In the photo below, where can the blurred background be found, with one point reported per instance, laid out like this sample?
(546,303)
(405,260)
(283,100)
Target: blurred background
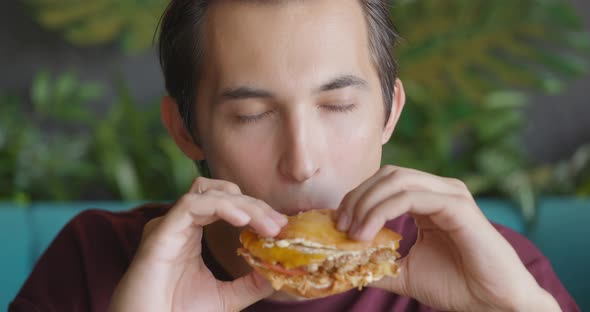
(498,96)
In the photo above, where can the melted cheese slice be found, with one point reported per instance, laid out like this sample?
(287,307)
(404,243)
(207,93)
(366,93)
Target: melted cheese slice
(314,229)
(288,257)
(318,226)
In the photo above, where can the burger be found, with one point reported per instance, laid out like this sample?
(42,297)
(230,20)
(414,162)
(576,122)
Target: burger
(311,258)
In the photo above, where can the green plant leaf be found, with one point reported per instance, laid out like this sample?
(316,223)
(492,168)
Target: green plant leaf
(63,98)
(183,170)
(127,179)
(90,91)
(505,100)
(88,23)
(520,189)
(41,93)
(475,47)
(65,85)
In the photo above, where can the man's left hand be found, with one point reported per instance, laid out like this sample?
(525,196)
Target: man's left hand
(459,261)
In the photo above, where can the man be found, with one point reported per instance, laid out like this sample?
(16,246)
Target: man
(289,102)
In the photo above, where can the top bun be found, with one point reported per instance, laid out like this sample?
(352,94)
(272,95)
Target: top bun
(318,226)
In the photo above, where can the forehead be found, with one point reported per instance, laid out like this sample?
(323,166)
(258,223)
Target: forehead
(295,43)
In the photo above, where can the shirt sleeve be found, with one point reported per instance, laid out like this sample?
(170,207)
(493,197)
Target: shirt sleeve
(540,267)
(83,264)
(57,280)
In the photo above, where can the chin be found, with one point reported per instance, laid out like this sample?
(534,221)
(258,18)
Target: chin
(310,258)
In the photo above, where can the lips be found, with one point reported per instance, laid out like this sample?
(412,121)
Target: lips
(297,210)
(294,207)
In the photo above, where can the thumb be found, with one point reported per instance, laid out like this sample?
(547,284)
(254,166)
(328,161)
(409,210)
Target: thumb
(245,291)
(395,284)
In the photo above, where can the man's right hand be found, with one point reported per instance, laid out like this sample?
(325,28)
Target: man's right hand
(168,273)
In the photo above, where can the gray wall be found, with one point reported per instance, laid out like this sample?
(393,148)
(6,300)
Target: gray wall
(26,48)
(557,124)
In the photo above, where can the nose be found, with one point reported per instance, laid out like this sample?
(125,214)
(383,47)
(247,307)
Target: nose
(298,162)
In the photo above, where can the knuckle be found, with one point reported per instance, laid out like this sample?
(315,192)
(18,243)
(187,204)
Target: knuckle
(465,193)
(184,200)
(251,200)
(358,208)
(362,203)
(457,205)
(378,214)
(395,182)
(389,168)
(201,180)
(346,200)
(382,208)
(405,196)
(464,202)
(395,175)
(261,204)
(397,185)
(232,187)
(225,203)
(457,182)
(257,205)
(151,225)
(198,184)
(212,192)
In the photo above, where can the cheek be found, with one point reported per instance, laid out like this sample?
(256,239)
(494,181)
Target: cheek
(241,155)
(355,148)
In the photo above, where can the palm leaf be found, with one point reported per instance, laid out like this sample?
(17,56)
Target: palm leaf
(85,23)
(475,47)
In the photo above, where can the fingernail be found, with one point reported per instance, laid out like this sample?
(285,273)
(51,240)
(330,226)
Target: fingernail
(343,222)
(244,217)
(280,219)
(273,227)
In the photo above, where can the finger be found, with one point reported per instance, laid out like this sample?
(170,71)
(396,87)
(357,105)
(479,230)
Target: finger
(397,284)
(193,209)
(344,214)
(397,181)
(245,291)
(377,192)
(201,185)
(238,210)
(447,212)
(265,220)
(211,186)
(151,225)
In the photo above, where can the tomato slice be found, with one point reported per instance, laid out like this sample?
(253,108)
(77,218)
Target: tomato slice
(279,268)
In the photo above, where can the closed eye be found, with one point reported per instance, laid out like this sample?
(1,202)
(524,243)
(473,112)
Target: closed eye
(246,119)
(340,108)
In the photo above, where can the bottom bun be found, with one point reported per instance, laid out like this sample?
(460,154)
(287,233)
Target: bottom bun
(315,285)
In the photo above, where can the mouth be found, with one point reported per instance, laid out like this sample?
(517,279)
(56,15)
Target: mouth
(297,210)
(294,206)
(294,210)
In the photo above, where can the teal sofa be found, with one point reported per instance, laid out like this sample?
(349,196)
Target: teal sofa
(561,231)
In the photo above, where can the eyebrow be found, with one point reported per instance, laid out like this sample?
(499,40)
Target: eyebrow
(241,93)
(344,82)
(244,92)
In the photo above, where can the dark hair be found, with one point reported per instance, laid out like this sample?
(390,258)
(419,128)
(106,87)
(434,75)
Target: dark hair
(180,49)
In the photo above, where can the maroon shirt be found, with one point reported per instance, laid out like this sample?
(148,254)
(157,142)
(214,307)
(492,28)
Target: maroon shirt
(81,268)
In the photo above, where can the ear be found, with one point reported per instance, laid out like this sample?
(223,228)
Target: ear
(397,105)
(175,126)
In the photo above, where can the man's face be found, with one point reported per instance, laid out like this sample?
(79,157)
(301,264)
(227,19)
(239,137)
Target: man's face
(290,105)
